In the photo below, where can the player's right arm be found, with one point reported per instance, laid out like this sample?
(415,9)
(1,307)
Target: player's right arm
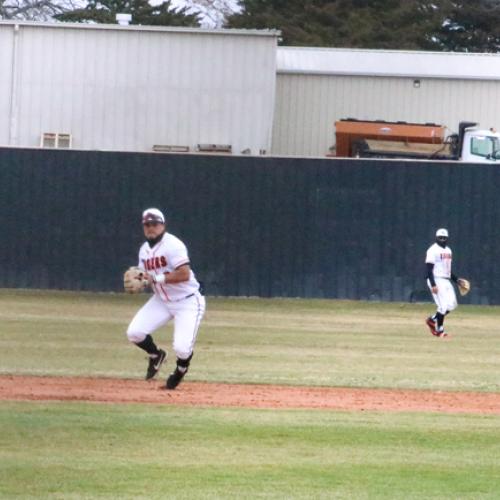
(141,259)
(430,277)
(429,263)
(140,264)
(148,275)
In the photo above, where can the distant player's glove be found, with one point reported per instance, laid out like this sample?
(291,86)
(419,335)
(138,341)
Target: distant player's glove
(463,286)
(134,280)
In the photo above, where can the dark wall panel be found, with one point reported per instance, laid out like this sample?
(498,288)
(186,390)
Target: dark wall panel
(354,229)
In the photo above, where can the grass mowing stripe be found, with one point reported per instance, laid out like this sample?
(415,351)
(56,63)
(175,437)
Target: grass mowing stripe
(289,341)
(63,450)
(91,450)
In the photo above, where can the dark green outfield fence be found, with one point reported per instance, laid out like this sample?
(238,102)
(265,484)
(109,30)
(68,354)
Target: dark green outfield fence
(354,229)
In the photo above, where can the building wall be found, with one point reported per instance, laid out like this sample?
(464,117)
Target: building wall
(307,105)
(129,88)
(6,49)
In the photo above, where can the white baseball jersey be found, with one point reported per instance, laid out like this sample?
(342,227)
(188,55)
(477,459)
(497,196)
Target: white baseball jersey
(441,258)
(166,256)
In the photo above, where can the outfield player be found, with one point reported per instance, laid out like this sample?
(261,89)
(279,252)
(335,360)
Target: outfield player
(438,261)
(176,297)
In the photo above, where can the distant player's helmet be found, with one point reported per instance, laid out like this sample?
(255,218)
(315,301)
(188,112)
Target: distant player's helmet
(442,237)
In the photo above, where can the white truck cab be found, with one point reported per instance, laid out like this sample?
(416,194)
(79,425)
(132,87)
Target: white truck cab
(480,146)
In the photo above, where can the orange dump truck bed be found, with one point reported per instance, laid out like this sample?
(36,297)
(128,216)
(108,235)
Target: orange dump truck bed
(350,130)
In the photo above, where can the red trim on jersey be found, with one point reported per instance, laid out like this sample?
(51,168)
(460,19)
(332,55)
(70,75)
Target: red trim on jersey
(182,263)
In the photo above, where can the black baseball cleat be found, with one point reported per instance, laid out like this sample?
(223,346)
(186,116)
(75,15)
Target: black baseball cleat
(155,364)
(174,379)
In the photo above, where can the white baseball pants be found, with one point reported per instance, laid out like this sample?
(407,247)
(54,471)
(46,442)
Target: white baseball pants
(155,313)
(445,298)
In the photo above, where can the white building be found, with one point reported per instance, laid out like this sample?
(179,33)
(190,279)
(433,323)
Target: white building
(136,88)
(145,88)
(315,87)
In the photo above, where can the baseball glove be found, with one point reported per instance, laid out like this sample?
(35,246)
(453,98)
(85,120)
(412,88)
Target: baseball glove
(463,286)
(134,280)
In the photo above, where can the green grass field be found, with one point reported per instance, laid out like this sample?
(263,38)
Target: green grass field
(85,450)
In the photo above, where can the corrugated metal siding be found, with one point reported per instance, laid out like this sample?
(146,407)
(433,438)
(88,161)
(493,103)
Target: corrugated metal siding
(253,225)
(129,89)
(308,105)
(6,47)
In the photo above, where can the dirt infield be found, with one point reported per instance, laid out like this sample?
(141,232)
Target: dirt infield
(241,395)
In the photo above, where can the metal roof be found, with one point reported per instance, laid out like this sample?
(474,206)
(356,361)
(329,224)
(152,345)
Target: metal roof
(393,63)
(135,27)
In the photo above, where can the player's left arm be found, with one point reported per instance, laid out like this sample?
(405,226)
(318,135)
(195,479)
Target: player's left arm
(178,257)
(178,275)
(454,278)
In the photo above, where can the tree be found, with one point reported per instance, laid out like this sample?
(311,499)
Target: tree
(104,11)
(470,27)
(341,23)
(34,10)
(376,24)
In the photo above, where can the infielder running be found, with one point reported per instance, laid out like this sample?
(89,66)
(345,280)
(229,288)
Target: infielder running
(164,258)
(438,261)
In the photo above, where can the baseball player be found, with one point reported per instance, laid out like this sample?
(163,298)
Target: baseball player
(438,261)
(176,296)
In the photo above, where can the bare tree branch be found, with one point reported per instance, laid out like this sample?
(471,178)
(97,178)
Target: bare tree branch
(213,12)
(35,10)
